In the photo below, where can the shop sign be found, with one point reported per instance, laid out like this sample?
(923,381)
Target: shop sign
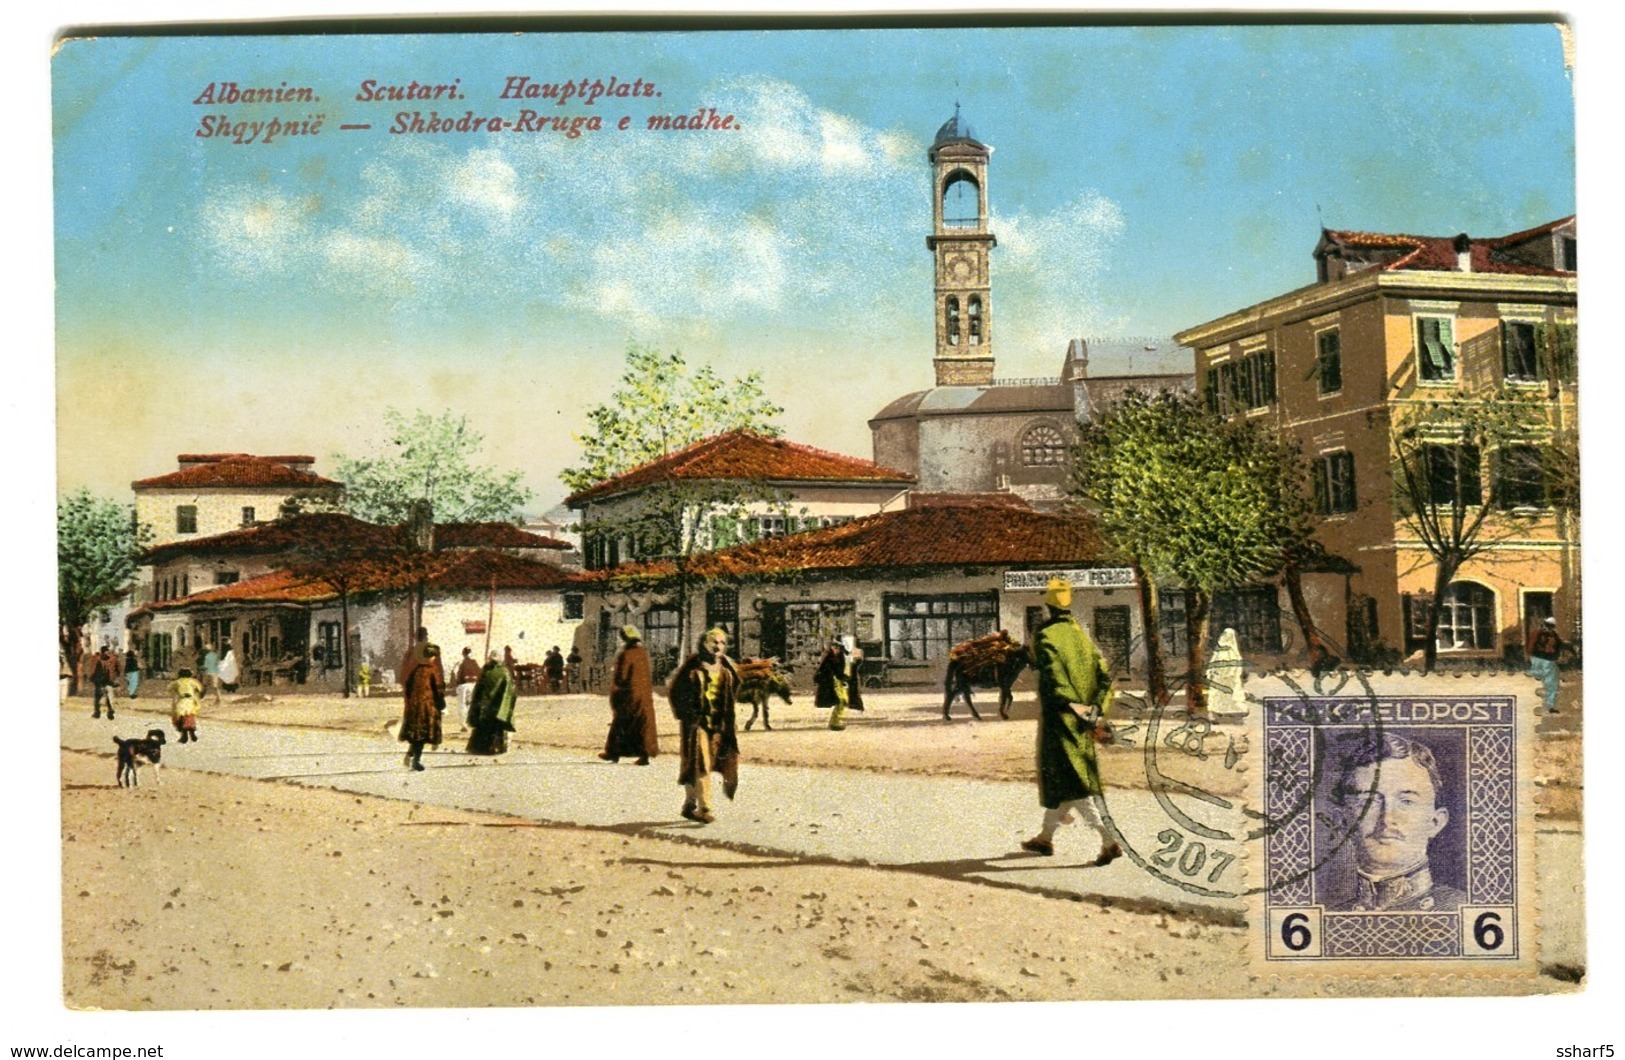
(1035,581)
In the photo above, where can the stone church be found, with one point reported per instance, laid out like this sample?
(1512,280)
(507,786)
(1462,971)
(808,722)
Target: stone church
(974,433)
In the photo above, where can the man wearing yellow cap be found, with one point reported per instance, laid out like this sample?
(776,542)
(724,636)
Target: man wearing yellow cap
(1074,689)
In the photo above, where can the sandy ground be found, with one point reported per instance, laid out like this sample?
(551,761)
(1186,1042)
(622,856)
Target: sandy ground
(220,892)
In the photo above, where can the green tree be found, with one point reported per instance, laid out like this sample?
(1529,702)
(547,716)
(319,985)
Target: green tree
(98,542)
(429,458)
(1461,458)
(1190,500)
(661,405)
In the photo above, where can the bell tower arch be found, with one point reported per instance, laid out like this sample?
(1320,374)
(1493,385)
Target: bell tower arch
(962,247)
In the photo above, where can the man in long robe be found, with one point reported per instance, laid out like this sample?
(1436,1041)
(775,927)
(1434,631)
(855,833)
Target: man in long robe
(1074,689)
(702,697)
(490,711)
(632,732)
(425,699)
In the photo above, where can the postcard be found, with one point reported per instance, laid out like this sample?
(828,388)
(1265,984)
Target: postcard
(560,515)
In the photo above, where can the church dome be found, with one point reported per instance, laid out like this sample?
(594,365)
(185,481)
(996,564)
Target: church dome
(955,129)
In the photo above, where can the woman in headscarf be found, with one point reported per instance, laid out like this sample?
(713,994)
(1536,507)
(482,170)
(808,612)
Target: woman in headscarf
(837,684)
(1224,694)
(490,710)
(425,699)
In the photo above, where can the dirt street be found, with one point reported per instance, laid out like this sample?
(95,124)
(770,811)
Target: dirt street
(220,892)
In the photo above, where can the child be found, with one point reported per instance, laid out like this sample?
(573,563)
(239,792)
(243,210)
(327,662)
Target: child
(186,693)
(363,680)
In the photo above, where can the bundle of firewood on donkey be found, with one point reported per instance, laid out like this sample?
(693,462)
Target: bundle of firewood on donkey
(759,681)
(993,660)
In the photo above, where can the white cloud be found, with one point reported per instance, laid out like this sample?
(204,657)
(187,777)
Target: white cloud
(1052,264)
(253,230)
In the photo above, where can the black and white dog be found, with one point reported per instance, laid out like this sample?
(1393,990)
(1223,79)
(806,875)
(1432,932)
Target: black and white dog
(131,753)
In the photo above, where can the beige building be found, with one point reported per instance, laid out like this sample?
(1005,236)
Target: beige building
(211,493)
(1394,321)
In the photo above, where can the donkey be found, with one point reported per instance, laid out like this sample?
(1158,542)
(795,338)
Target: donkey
(1001,673)
(759,681)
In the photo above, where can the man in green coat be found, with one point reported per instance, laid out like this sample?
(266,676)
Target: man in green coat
(490,712)
(1074,689)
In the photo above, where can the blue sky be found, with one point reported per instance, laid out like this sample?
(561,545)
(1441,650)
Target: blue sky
(276,297)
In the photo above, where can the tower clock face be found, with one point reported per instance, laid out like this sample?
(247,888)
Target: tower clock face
(961,268)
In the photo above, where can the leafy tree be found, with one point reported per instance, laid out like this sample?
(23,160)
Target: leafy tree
(1193,500)
(661,405)
(429,458)
(1460,458)
(97,544)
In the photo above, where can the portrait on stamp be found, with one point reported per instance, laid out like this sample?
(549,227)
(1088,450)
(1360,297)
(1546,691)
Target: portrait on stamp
(1399,832)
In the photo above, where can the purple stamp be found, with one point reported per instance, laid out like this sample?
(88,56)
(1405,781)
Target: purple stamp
(1396,830)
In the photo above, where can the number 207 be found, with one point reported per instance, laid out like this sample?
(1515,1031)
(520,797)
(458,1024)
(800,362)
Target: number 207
(1194,857)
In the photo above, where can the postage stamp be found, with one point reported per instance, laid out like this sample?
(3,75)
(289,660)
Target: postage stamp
(1395,831)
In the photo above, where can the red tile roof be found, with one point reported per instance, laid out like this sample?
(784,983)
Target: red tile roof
(916,499)
(315,531)
(313,583)
(1438,253)
(237,471)
(492,535)
(307,530)
(943,536)
(745,455)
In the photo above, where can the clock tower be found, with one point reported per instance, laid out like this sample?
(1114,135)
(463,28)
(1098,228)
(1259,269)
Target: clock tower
(962,246)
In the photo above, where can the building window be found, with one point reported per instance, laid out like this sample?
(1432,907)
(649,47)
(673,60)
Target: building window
(327,653)
(1453,474)
(1042,446)
(1245,384)
(722,609)
(771,526)
(1520,477)
(225,577)
(1329,361)
(575,607)
(1519,357)
(1253,613)
(974,305)
(1571,254)
(1435,349)
(953,321)
(186,519)
(1466,618)
(923,628)
(1565,346)
(248,516)
(1333,480)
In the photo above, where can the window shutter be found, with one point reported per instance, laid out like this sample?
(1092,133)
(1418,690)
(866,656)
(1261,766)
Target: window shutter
(1567,353)
(1509,358)
(1267,358)
(1322,494)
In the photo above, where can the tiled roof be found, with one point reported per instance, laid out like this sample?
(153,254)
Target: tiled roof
(312,583)
(313,531)
(744,455)
(306,530)
(492,535)
(916,499)
(238,471)
(940,536)
(1438,253)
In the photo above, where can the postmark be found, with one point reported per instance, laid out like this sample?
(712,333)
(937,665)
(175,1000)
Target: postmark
(1207,816)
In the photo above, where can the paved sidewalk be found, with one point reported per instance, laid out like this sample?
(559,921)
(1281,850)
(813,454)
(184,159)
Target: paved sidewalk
(948,827)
